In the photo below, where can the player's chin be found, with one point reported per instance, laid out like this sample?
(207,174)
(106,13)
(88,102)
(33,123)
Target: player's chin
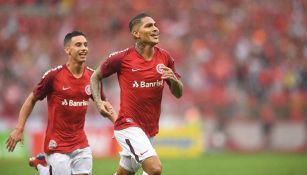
(154,42)
(82,59)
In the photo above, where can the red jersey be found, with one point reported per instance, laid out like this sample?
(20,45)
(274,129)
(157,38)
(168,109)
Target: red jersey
(68,99)
(141,87)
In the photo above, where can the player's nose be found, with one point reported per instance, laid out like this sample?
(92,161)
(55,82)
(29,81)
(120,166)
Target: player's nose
(84,48)
(155,29)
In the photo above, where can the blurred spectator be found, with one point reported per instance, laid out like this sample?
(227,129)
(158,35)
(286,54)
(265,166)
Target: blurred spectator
(238,58)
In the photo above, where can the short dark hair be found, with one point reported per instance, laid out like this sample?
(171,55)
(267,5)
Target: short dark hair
(72,34)
(136,20)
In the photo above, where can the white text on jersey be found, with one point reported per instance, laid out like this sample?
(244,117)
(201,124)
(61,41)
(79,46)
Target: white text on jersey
(143,84)
(66,102)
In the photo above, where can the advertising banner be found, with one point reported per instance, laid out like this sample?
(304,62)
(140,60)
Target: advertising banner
(183,142)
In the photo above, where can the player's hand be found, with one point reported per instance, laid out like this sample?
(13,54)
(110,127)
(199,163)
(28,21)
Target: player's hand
(15,137)
(168,74)
(107,110)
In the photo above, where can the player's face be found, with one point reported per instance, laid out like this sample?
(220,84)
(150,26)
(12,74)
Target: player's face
(78,49)
(148,32)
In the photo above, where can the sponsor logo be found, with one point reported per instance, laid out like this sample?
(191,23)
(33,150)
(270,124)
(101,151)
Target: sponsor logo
(65,88)
(159,68)
(144,84)
(88,89)
(135,84)
(66,102)
(144,152)
(52,144)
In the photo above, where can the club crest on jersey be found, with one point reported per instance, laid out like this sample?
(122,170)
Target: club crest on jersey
(159,68)
(52,144)
(88,89)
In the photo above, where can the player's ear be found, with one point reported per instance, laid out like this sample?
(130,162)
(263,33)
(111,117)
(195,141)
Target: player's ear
(67,50)
(135,34)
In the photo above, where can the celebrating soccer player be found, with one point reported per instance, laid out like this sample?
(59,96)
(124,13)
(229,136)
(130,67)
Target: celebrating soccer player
(142,71)
(67,88)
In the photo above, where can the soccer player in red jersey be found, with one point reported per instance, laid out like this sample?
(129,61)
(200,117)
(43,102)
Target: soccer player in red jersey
(142,72)
(67,88)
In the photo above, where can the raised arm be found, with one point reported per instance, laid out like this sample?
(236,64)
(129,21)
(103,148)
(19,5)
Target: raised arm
(17,134)
(104,107)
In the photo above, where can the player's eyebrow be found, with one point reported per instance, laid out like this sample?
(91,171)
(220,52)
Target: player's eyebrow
(80,43)
(150,24)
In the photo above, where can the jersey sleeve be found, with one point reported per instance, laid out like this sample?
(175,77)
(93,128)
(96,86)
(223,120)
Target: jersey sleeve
(171,64)
(111,65)
(44,87)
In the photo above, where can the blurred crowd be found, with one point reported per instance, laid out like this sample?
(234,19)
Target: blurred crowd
(237,58)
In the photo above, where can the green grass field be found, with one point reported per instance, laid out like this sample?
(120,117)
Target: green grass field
(209,164)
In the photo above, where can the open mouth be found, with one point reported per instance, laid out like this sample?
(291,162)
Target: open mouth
(83,54)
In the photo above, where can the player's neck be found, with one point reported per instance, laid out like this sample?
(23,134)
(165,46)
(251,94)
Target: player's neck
(147,51)
(76,69)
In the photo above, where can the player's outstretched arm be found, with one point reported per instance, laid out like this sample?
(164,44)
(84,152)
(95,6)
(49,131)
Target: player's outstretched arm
(17,134)
(176,85)
(104,107)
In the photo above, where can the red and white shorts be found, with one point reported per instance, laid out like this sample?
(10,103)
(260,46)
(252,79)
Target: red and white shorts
(136,147)
(77,162)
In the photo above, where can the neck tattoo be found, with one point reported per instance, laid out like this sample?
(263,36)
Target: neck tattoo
(139,48)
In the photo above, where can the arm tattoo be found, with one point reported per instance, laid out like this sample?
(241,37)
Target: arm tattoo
(96,88)
(176,88)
